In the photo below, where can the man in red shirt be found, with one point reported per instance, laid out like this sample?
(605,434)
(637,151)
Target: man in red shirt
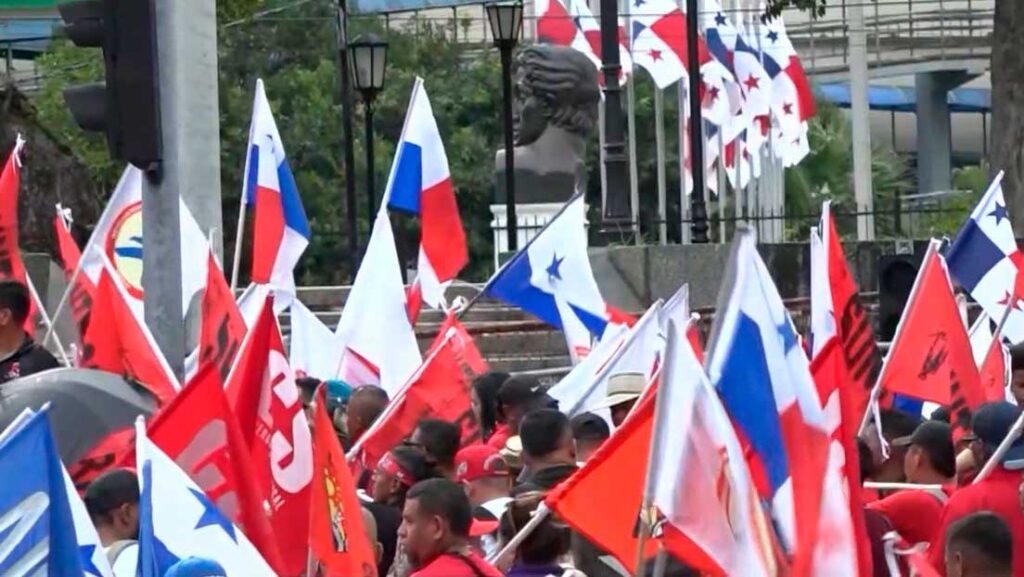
(929,460)
(435,532)
(997,493)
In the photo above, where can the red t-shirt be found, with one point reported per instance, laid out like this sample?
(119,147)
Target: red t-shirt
(998,493)
(914,514)
(451,565)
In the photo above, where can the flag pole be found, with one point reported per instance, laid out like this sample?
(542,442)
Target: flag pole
(659,144)
(634,177)
(47,322)
(660,414)
(63,299)
(876,391)
(243,202)
(239,236)
(472,302)
(538,517)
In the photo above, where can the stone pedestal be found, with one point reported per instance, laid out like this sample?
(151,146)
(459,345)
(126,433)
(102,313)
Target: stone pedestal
(530,219)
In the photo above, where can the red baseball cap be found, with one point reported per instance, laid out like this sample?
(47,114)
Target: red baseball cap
(479,461)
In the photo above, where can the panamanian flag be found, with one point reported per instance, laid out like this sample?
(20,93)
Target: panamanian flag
(421,184)
(280,228)
(177,520)
(985,261)
(551,278)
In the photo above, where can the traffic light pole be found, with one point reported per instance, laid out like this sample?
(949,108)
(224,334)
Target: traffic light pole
(190,170)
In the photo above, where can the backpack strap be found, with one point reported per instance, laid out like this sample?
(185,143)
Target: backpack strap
(476,570)
(115,549)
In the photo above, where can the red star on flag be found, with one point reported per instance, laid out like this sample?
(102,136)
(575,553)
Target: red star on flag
(655,55)
(787,108)
(711,93)
(752,83)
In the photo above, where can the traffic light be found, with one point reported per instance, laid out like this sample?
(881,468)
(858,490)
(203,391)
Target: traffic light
(127,106)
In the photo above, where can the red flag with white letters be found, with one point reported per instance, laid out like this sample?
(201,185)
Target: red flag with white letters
(261,390)
(199,431)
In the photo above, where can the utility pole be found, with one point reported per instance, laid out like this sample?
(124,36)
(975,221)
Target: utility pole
(190,168)
(859,115)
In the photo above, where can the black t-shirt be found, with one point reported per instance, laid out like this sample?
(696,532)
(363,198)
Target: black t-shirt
(388,519)
(27,360)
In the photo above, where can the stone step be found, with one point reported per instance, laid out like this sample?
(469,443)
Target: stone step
(333,297)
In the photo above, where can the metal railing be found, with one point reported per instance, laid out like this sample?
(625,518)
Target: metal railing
(899,32)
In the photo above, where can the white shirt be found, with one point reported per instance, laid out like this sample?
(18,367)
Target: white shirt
(495,507)
(127,562)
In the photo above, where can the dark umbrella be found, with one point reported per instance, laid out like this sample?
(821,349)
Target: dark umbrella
(85,406)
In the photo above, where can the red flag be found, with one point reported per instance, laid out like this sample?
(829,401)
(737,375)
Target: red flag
(223,327)
(836,387)
(440,389)
(694,337)
(336,532)
(199,431)
(261,390)
(931,357)
(992,371)
(853,327)
(614,477)
(82,291)
(11,265)
(122,344)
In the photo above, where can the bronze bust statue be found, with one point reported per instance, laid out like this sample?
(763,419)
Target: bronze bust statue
(555,108)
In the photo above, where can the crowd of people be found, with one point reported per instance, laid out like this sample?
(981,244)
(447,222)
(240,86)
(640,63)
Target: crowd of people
(433,508)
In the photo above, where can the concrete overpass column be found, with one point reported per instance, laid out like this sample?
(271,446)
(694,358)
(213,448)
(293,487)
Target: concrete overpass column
(934,154)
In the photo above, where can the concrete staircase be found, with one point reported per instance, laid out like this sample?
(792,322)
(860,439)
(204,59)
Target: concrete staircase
(509,339)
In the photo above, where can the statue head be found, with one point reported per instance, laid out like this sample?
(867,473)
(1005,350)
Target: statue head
(555,86)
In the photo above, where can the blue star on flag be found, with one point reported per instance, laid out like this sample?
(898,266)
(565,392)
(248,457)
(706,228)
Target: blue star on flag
(999,212)
(773,36)
(88,565)
(720,19)
(211,516)
(552,270)
(638,3)
(786,334)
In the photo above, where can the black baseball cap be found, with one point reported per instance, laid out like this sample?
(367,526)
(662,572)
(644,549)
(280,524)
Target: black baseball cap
(524,391)
(990,425)
(589,427)
(935,438)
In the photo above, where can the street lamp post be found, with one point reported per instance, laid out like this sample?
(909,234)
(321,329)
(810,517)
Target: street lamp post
(369,61)
(506,20)
(345,86)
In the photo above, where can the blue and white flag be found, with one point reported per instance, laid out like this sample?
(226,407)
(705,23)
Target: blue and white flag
(551,278)
(177,520)
(37,535)
(985,260)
